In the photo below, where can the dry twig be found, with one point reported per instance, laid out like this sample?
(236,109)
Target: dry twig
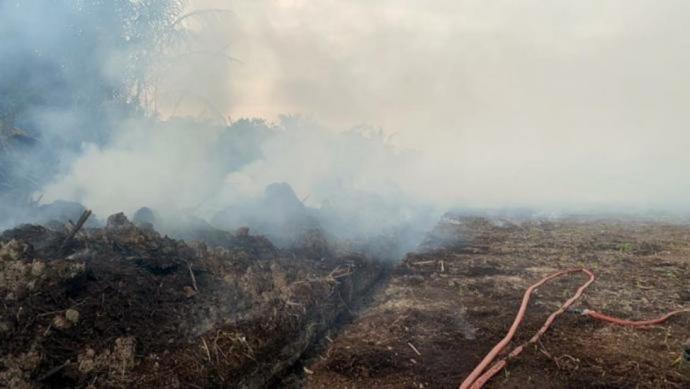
(80,223)
(414,348)
(191,273)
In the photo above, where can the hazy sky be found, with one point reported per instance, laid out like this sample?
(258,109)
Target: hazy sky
(547,104)
(523,102)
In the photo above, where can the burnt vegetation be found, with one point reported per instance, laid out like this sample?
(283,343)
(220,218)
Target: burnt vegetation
(125,306)
(270,291)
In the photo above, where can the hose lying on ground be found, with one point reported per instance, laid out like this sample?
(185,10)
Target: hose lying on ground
(481,375)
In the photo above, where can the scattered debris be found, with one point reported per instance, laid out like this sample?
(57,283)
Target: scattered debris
(414,348)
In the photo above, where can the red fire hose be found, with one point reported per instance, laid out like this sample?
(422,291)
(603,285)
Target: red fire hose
(481,375)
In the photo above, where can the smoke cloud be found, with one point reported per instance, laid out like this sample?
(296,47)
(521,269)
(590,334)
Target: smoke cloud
(378,114)
(563,105)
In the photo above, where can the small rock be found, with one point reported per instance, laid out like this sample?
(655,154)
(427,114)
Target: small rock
(189,292)
(86,362)
(61,323)
(37,268)
(72,315)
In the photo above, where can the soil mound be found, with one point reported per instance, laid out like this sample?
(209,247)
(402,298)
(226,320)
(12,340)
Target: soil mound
(124,306)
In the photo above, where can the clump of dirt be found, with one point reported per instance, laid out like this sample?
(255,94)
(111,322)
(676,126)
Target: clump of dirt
(113,365)
(20,275)
(124,306)
(18,368)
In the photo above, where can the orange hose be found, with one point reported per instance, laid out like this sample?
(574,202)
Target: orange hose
(476,379)
(628,323)
(481,375)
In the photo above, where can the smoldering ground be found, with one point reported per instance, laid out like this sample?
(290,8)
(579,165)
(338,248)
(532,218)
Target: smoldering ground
(107,130)
(534,108)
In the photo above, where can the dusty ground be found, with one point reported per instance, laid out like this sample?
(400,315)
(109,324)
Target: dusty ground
(444,309)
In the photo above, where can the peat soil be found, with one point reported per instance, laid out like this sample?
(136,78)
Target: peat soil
(123,306)
(447,305)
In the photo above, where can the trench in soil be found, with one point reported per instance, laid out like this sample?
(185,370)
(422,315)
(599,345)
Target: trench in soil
(294,376)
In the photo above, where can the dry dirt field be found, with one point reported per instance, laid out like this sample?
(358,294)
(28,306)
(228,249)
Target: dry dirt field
(122,306)
(444,308)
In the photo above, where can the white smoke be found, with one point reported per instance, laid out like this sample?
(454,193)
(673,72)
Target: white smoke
(558,106)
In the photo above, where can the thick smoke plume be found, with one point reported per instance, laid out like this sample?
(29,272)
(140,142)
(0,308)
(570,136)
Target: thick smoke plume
(75,74)
(349,182)
(125,107)
(557,107)
(551,105)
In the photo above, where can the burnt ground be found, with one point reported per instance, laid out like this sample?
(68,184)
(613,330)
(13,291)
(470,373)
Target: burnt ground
(444,308)
(123,306)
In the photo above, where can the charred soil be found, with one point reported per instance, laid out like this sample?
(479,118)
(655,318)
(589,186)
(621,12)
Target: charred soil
(446,307)
(123,306)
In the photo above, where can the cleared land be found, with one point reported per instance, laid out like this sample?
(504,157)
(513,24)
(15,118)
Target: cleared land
(123,306)
(443,309)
